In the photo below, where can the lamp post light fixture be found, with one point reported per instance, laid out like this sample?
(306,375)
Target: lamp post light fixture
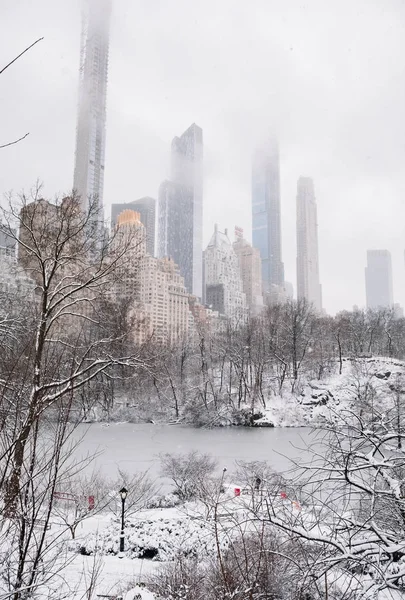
(123,493)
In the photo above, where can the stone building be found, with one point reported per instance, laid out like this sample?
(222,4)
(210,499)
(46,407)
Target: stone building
(223,283)
(250,269)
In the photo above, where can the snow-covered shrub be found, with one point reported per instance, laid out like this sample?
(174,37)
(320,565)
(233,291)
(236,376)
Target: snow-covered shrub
(164,501)
(157,539)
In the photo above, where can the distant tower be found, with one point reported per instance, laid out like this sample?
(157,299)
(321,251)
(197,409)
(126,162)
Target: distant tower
(379,279)
(181,209)
(90,134)
(224,286)
(308,285)
(250,270)
(266,219)
(146,207)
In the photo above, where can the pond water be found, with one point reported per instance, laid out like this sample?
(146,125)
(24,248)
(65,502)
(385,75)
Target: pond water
(136,447)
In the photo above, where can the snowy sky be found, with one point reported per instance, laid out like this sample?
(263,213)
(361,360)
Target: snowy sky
(328,75)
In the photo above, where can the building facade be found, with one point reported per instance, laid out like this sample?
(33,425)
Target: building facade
(379,289)
(129,236)
(91,123)
(308,285)
(13,278)
(250,270)
(154,287)
(39,226)
(181,209)
(224,288)
(175,223)
(146,207)
(163,301)
(266,217)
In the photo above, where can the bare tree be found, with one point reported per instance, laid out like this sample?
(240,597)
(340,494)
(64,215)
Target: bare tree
(68,343)
(353,511)
(189,472)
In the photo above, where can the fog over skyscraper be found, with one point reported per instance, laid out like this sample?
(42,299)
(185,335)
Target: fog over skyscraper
(378,271)
(266,219)
(90,134)
(308,285)
(181,209)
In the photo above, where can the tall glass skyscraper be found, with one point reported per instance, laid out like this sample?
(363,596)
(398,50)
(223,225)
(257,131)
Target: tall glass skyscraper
(181,209)
(266,219)
(90,134)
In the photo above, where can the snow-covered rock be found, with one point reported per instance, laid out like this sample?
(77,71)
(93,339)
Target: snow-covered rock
(318,400)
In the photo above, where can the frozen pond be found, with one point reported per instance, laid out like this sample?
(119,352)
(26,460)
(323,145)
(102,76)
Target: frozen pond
(135,448)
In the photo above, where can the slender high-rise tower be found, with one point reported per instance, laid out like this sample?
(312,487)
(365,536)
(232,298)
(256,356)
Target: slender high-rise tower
(90,134)
(181,209)
(308,285)
(266,219)
(379,279)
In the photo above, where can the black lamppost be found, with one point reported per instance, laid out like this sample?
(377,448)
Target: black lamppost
(123,493)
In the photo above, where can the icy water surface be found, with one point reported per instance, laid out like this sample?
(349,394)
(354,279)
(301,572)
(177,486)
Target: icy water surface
(134,448)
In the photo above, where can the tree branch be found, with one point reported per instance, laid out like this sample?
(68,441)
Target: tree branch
(19,56)
(15,141)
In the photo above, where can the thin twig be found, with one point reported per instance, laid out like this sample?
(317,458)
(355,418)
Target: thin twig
(15,141)
(19,56)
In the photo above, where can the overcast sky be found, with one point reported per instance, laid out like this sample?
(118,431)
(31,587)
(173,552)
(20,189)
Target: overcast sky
(328,75)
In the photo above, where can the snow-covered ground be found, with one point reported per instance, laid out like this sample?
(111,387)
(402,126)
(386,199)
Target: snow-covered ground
(315,401)
(157,533)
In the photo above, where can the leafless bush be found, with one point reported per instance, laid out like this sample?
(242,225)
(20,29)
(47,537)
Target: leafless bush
(182,579)
(256,566)
(188,473)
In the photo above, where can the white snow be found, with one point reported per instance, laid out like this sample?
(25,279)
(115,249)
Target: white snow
(315,401)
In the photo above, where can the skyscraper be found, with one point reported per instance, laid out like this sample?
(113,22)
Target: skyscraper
(131,234)
(224,287)
(379,292)
(250,270)
(146,207)
(90,134)
(266,219)
(175,238)
(181,209)
(308,285)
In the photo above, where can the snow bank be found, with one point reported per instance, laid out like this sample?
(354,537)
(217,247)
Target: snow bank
(317,400)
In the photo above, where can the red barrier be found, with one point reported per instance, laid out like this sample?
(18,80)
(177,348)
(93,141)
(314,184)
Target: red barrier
(63,496)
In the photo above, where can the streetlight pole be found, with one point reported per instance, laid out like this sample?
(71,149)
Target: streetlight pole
(123,493)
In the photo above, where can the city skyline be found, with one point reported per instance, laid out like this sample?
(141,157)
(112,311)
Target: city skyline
(177,79)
